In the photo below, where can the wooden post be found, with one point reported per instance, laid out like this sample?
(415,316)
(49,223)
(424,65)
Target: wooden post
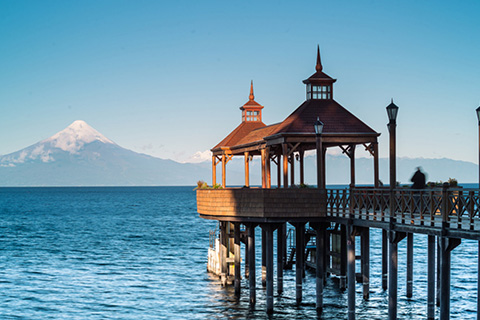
(280,249)
(446,247)
(438,272)
(223,253)
(343,258)
(320,263)
(285,165)
(214,170)
(365,246)
(247,258)
(224,169)
(251,258)
(279,171)
(268,229)
(236,249)
(267,167)
(264,258)
(292,169)
(352,165)
(409,265)
(384,259)
(299,247)
(264,175)
(431,278)
(302,167)
(394,238)
(351,271)
(375,165)
(247,170)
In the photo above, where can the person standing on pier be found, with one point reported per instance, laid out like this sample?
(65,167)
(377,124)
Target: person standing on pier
(418,179)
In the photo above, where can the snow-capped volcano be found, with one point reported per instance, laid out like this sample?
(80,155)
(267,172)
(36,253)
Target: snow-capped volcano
(79,155)
(75,136)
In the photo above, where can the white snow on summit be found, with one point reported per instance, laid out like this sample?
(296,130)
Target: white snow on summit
(75,136)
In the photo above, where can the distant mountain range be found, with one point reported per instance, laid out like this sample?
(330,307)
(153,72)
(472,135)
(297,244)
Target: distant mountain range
(81,156)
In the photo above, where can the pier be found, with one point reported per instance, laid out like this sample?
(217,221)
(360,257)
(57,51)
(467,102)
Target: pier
(335,218)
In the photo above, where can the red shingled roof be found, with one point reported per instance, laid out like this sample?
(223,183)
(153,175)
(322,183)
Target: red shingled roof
(257,135)
(336,119)
(240,132)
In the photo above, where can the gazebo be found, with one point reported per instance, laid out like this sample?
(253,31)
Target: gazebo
(284,142)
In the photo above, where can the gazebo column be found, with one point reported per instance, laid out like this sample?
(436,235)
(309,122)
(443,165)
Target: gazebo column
(279,171)
(247,170)
(376,181)
(324,166)
(292,169)
(264,175)
(267,168)
(285,164)
(224,170)
(351,154)
(214,170)
(302,169)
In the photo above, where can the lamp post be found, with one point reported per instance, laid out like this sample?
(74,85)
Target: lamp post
(392,266)
(392,111)
(318,125)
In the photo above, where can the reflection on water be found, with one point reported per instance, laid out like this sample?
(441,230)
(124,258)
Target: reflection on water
(140,253)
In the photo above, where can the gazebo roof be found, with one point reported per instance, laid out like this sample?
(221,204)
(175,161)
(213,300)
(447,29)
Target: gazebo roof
(238,134)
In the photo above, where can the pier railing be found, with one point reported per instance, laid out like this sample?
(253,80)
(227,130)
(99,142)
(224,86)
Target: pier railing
(456,208)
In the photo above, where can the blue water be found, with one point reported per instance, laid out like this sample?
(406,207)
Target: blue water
(140,253)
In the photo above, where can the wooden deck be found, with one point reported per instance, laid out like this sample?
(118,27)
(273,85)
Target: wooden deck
(261,205)
(453,212)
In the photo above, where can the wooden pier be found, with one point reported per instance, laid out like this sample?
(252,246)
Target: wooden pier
(334,217)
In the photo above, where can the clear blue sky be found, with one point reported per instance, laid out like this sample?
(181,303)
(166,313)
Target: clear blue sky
(167,77)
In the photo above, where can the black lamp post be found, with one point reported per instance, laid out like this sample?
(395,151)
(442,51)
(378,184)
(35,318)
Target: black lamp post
(318,125)
(392,111)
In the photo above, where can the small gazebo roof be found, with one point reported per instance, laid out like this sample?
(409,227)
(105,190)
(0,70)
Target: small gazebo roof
(238,134)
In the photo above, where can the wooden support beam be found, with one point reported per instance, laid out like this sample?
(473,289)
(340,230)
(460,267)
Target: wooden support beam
(264,258)
(236,249)
(299,263)
(376,173)
(446,247)
(343,258)
(292,169)
(365,253)
(280,252)
(269,265)
(384,259)
(279,172)
(394,238)
(351,271)
(264,175)
(409,277)
(251,258)
(267,168)
(224,169)
(214,171)
(431,278)
(285,164)
(302,167)
(352,165)
(247,169)
(223,253)
(320,230)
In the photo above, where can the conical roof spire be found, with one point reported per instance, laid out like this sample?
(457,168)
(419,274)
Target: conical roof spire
(318,67)
(251,96)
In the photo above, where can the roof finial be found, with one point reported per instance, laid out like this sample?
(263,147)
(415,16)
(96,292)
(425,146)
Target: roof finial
(251,97)
(318,67)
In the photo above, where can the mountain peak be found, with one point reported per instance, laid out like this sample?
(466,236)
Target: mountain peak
(73,137)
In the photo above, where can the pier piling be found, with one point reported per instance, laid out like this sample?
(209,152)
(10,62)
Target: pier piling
(299,244)
(351,271)
(236,252)
(384,259)
(280,251)
(431,278)
(409,277)
(365,251)
(269,265)
(251,256)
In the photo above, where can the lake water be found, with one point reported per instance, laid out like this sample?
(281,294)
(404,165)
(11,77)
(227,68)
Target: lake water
(140,253)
